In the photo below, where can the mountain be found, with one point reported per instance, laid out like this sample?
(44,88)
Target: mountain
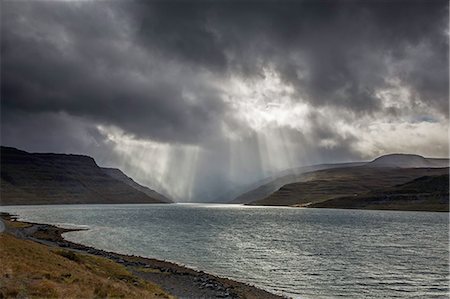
(265,188)
(407,161)
(426,193)
(323,188)
(34,178)
(119,175)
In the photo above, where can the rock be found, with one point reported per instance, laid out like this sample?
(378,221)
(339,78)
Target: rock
(60,244)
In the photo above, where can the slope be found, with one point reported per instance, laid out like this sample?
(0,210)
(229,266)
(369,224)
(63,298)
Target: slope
(119,175)
(60,179)
(327,184)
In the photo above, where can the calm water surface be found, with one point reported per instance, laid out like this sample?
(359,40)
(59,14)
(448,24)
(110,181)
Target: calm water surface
(303,253)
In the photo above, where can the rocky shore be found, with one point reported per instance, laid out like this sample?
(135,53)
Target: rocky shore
(177,280)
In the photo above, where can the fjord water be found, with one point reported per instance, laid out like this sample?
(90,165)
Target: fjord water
(305,253)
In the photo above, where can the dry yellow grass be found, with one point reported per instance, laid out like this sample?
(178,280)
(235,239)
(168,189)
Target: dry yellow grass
(29,269)
(15,224)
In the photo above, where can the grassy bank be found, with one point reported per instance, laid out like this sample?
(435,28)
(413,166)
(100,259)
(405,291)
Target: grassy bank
(30,269)
(37,262)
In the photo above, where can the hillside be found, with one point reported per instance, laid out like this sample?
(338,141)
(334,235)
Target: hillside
(119,175)
(323,185)
(268,186)
(408,161)
(60,179)
(429,193)
(33,270)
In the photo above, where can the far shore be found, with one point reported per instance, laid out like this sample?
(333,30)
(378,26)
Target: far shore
(377,204)
(385,209)
(167,278)
(384,206)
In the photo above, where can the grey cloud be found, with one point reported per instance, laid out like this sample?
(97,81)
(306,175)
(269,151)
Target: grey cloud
(52,63)
(335,53)
(82,58)
(180,30)
(154,70)
(50,132)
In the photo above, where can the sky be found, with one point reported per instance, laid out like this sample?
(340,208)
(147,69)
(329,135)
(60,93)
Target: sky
(195,98)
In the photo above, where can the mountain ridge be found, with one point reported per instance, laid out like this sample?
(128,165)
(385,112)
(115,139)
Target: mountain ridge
(49,178)
(425,193)
(118,174)
(270,186)
(408,161)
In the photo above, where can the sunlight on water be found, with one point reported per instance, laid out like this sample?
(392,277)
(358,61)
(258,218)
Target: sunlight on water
(307,253)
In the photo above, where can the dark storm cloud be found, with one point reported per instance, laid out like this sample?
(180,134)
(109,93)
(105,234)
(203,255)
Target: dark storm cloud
(52,62)
(44,132)
(181,30)
(333,52)
(165,71)
(130,63)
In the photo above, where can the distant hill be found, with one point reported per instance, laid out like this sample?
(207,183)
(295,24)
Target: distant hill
(265,188)
(119,175)
(408,161)
(268,186)
(36,178)
(426,193)
(325,187)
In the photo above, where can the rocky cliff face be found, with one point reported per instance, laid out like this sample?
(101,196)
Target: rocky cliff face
(60,179)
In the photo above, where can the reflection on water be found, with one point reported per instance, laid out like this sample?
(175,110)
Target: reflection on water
(307,253)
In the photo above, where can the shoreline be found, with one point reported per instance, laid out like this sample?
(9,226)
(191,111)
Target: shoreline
(175,279)
(309,205)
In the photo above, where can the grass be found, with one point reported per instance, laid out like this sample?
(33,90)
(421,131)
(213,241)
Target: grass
(32,270)
(15,224)
(426,193)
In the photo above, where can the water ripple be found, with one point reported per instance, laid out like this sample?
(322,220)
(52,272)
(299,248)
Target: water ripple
(304,253)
